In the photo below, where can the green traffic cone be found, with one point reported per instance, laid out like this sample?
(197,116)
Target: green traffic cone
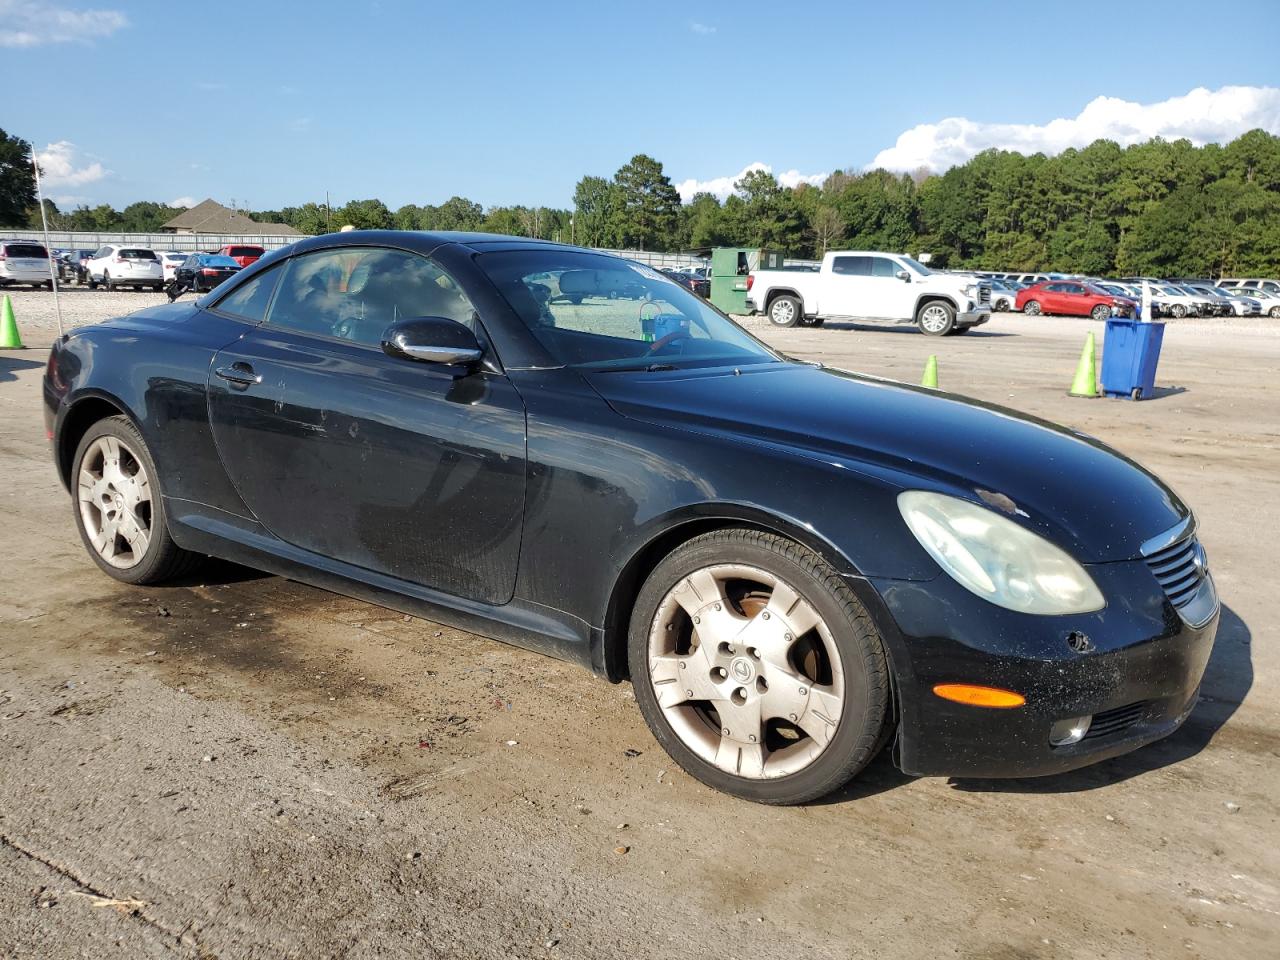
(9,337)
(930,372)
(1086,382)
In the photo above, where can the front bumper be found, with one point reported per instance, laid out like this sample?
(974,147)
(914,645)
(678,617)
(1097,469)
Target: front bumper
(1139,678)
(974,317)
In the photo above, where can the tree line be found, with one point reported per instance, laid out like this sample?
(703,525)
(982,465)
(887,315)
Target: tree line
(1160,207)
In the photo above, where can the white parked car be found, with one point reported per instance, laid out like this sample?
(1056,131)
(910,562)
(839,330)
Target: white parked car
(1254,283)
(116,265)
(1268,303)
(170,262)
(871,285)
(24,261)
(1179,303)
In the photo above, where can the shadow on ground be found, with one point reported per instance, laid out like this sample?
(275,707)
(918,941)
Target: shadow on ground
(10,365)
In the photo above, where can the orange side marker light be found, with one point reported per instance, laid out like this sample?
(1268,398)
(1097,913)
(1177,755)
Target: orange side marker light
(977,696)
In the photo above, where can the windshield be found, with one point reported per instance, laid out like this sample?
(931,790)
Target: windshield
(597,312)
(918,267)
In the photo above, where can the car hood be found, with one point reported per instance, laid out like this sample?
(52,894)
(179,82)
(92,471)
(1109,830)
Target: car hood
(1068,487)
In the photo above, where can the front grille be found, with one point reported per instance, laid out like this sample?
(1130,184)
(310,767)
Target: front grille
(984,293)
(1180,568)
(1109,722)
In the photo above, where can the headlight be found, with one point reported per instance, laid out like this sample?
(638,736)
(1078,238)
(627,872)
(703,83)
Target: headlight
(971,290)
(996,558)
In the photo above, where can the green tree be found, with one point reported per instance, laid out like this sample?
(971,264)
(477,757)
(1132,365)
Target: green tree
(365,215)
(17,181)
(647,212)
(595,201)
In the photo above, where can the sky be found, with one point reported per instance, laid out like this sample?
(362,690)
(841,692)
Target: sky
(271,104)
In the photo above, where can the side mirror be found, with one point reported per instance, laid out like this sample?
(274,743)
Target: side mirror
(902,275)
(432,340)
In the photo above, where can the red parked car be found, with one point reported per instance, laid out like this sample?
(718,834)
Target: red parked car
(242,253)
(1073,298)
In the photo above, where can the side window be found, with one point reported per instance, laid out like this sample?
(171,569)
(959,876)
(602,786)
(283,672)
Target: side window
(250,300)
(1072,288)
(357,292)
(851,266)
(884,267)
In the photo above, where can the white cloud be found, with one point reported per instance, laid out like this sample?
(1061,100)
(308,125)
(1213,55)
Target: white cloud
(723,186)
(61,165)
(702,29)
(187,202)
(1202,116)
(29,23)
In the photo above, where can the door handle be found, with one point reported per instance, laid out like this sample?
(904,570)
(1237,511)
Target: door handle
(239,373)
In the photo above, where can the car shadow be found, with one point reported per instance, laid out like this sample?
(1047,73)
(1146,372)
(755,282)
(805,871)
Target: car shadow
(1228,678)
(215,572)
(901,328)
(10,365)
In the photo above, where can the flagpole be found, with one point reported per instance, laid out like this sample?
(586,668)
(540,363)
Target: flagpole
(44,222)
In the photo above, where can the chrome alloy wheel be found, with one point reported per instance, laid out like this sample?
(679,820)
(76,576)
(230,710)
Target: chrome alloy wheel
(114,493)
(745,671)
(782,312)
(934,318)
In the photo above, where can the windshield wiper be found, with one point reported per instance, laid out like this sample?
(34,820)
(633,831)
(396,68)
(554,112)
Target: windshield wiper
(647,368)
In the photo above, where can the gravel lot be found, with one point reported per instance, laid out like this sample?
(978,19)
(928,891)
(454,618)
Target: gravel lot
(242,766)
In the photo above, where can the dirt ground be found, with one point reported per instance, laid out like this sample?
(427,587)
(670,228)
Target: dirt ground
(242,766)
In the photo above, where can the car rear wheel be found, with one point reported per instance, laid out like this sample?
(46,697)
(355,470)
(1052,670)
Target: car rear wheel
(786,311)
(936,319)
(1274,312)
(1031,308)
(1101,312)
(107,285)
(757,669)
(1179,310)
(118,508)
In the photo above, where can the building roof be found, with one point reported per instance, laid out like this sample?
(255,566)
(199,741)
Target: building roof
(210,216)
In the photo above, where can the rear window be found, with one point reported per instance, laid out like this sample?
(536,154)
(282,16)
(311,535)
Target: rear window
(137,254)
(216,260)
(246,251)
(33,250)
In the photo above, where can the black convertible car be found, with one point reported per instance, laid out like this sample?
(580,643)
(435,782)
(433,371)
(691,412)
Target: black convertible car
(795,566)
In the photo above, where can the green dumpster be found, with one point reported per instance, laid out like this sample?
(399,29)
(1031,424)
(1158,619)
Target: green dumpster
(729,269)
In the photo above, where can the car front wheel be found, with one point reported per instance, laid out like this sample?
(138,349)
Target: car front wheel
(1031,309)
(936,319)
(757,669)
(1101,312)
(118,508)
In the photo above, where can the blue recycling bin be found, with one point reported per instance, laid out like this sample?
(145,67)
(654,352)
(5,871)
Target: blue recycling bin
(1130,352)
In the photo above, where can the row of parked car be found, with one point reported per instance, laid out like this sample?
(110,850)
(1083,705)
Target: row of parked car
(1101,297)
(113,265)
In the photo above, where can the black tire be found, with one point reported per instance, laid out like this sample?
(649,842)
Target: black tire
(1274,312)
(157,287)
(1031,308)
(936,318)
(107,285)
(818,321)
(786,311)
(1100,312)
(93,284)
(1002,306)
(163,559)
(864,723)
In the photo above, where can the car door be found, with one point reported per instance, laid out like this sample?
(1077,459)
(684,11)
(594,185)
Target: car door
(888,296)
(844,289)
(404,468)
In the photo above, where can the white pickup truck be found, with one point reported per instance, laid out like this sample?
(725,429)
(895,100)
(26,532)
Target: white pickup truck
(869,285)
